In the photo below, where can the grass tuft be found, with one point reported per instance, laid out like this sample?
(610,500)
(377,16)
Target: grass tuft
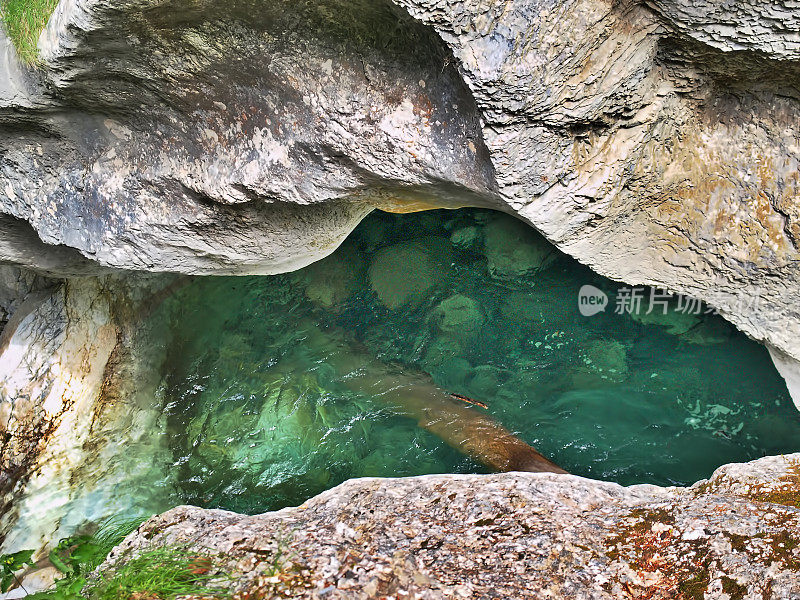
(161,573)
(24,21)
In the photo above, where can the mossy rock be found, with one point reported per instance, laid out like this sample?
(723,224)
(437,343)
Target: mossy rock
(441,350)
(404,273)
(486,381)
(466,237)
(458,316)
(514,249)
(602,361)
(452,373)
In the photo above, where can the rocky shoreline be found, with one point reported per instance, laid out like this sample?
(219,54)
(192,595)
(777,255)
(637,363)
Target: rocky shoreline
(512,535)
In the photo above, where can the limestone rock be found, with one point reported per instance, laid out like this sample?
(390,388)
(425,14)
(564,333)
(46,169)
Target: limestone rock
(513,535)
(604,360)
(332,280)
(73,389)
(654,141)
(466,237)
(458,316)
(441,350)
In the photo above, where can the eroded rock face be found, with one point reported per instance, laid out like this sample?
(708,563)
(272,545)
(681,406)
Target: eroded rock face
(513,536)
(640,143)
(655,141)
(245,138)
(73,389)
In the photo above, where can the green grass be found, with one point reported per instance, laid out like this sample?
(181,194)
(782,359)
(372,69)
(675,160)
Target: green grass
(79,555)
(161,573)
(24,21)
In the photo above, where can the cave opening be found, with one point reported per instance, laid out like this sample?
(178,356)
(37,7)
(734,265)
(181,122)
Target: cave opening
(259,410)
(446,341)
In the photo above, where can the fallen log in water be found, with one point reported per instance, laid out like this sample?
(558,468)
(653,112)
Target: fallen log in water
(412,394)
(462,427)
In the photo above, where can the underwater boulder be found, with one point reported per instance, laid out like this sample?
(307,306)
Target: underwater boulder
(452,373)
(332,280)
(403,274)
(603,361)
(458,315)
(441,350)
(372,233)
(514,249)
(486,381)
(466,237)
(674,321)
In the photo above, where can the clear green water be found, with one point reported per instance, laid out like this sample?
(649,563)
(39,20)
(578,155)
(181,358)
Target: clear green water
(260,416)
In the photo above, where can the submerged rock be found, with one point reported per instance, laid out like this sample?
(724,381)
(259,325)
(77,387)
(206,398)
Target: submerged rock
(442,349)
(458,316)
(514,249)
(603,361)
(404,273)
(327,283)
(486,380)
(452,373)
(466,237)
(632,135)
(513,535)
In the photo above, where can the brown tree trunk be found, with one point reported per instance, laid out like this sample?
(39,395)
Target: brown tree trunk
(412,394)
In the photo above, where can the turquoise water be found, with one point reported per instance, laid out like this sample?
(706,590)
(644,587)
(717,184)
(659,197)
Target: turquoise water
(262,411)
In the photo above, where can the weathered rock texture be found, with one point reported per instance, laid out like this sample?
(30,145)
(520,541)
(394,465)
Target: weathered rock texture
(656,141)
(73,390)
(514,535)
(249,137)
(638,141)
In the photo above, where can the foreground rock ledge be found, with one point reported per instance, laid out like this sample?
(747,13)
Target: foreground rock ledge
(512,535)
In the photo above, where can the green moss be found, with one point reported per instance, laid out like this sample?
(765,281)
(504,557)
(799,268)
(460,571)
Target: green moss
(788,494)
(785,490)
(159,573)
(733,589)
(739,543)
(783,547)
(781,543)
(695,588)
(24,21)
